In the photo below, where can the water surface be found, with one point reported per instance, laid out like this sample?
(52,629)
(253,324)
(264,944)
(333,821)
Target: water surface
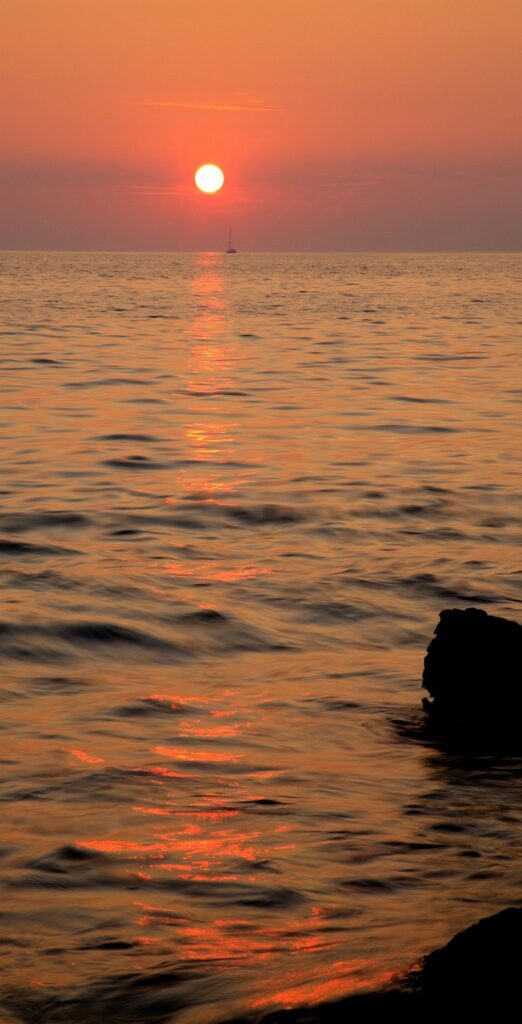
(236,492)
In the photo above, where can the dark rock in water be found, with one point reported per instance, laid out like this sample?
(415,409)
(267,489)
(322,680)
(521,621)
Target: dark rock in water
(473,673)
(478,968)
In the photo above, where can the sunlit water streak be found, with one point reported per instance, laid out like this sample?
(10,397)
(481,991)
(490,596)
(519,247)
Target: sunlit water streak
(235,494)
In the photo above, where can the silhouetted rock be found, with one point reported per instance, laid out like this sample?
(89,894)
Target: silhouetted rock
(473,673)
(479,967)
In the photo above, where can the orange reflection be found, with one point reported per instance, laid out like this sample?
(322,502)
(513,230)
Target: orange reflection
(120,846)
(212,361)
(238,944)
(210,440)
(215,571)
(202,756)
(186,835)
(175,702)
(161,811)
(83,756)
(312,992)
(212,732)
(203,815)
(209,483)
(167,773)
(211,357)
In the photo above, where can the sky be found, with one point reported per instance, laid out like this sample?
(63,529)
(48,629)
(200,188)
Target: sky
(339,124)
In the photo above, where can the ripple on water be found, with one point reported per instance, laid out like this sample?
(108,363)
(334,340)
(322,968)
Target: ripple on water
(23,549)
(25,521)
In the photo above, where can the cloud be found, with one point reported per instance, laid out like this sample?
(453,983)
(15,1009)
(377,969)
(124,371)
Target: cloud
(183,191)
(251,108)
(63,173)
(161,190)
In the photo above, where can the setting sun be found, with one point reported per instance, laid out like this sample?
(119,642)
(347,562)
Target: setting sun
(209,178)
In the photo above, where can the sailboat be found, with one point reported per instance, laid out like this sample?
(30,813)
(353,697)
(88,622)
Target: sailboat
(230,246)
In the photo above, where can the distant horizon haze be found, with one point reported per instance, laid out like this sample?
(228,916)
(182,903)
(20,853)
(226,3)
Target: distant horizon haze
(264,252)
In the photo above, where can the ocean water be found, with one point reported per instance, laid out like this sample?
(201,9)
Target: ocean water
(236,493)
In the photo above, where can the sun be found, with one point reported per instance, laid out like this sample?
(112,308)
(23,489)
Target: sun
(209,178)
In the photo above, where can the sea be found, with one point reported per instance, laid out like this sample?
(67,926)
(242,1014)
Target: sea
(236,492)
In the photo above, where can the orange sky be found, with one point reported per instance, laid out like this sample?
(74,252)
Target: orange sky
(339,124)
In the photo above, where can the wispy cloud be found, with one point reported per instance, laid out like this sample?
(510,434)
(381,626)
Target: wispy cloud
(161,190)
(184,191)
(251,108)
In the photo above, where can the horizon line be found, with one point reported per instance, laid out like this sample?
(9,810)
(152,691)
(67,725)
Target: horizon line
(269,252)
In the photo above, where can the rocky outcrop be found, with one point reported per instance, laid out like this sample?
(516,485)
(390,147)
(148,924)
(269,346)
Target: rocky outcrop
(479,967)
(473,673)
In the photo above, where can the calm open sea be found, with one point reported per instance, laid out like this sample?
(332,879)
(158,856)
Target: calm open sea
(236,492)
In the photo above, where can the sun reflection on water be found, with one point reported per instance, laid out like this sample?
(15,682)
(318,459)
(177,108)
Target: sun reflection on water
(213,358)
